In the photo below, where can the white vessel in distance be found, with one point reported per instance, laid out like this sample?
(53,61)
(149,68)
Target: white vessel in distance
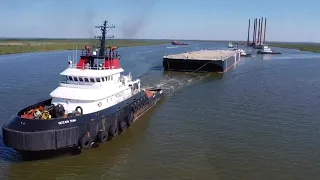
(265,49)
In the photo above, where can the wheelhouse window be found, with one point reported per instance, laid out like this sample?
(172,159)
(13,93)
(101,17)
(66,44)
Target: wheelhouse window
(63,78)
(92,80)
(70,78)
(81,79)
(75,78)
(86,79)
(102,79)
(98,80)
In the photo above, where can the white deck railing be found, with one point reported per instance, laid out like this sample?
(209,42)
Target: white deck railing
(75,66)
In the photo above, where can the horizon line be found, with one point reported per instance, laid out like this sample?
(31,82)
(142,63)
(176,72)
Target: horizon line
(214,40)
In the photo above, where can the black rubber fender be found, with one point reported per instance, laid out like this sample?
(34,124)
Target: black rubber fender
(102,136)
(135,107)
(122,126)
(85,142)
(81,110)
(129,119)
(112,131)
(59,110)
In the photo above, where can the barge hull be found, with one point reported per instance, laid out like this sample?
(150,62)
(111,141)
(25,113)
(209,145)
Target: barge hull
(172,63)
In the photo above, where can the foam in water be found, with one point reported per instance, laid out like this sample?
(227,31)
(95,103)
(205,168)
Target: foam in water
(173,47)
(291,56)
(175,82)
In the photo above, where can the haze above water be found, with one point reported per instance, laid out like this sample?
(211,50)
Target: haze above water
(259,120)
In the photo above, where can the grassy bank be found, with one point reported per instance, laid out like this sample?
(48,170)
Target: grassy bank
(311,47)
(14,46)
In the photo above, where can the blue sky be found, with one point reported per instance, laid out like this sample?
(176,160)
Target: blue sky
(172,19)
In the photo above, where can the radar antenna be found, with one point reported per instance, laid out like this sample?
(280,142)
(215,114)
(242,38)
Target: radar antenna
(103,37)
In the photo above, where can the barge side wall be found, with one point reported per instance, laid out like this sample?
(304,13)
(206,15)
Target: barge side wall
(188,65)
(230,61)
(198,65)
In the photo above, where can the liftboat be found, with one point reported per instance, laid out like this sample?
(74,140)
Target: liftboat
(92,104)
(266,50)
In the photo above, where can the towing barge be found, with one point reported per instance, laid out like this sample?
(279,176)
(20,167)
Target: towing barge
(201,61)
(92,104)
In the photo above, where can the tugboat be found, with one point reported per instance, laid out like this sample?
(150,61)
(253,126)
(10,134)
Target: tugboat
(93,103)
(266,50)
(243,53)
(178,43)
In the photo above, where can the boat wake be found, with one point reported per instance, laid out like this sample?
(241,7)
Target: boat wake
(291,56)
(173,82)
(177,46)
(169,47)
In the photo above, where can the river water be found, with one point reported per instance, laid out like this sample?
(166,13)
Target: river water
(260,120)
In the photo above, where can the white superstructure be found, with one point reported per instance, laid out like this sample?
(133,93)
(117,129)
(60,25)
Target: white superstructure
(242,52)
(266,48)
(93,89)
(95,82)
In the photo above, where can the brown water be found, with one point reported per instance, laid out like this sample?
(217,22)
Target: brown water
(260,120)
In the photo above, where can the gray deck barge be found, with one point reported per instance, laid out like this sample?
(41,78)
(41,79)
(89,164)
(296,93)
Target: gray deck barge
(201,61)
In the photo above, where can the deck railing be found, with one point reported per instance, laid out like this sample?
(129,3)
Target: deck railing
(101,67)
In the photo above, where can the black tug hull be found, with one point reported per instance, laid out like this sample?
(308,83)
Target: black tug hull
(247,55)
(79,132)
(260,52)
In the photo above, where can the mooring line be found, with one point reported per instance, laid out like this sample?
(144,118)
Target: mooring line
(200,67)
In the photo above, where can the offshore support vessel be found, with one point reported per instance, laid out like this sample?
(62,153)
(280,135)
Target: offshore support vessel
(93,103)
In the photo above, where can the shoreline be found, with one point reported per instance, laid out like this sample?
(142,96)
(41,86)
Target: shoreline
(16,46)
(20,46)
(310,47)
